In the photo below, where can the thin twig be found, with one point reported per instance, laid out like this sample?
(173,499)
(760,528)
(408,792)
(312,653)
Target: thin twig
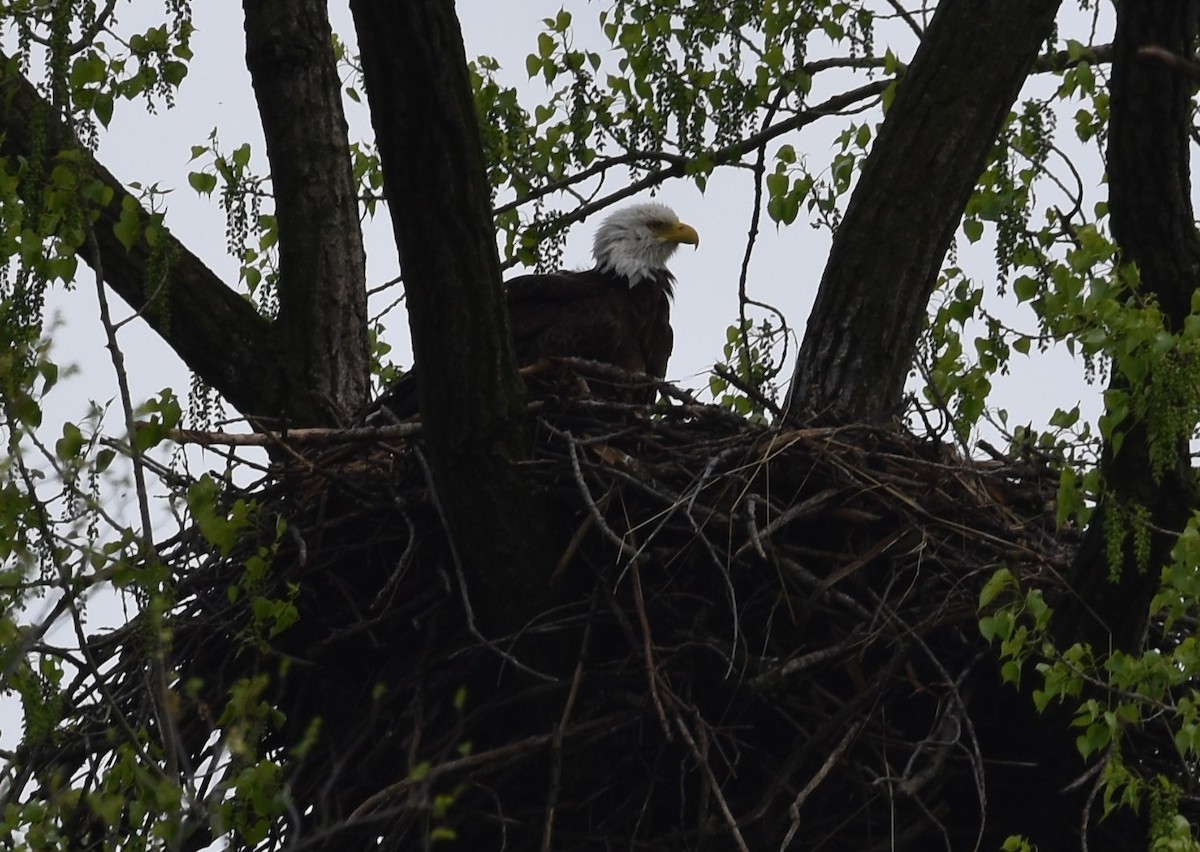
(714,788)
(907,18)
(492,759)
(678,168)
(648,652)
(815,781)
(312,435)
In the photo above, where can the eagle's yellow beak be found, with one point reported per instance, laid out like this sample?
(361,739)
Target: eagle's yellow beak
(680,233)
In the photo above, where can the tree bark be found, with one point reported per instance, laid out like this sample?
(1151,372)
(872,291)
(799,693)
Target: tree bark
(1150,204)
(886,255)
(216,332)
(321,331)
(471,396)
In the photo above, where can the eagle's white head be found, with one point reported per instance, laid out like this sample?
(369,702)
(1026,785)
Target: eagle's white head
(635,242)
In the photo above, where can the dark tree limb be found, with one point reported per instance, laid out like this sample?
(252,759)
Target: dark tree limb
(914,185)
(1152,220)
(471,396)
(322,324)
(216,332)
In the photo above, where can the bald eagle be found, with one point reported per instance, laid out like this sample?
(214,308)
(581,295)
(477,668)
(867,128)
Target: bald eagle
(617,312)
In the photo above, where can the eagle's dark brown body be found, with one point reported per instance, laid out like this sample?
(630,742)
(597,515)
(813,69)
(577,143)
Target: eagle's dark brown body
(594,315)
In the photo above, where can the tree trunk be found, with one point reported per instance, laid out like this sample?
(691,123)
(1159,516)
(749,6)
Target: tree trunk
(321,332)
(886,255)
(470,393)
(1150,204)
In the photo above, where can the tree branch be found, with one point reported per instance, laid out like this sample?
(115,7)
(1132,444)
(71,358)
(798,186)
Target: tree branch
(679,163)
(216,332)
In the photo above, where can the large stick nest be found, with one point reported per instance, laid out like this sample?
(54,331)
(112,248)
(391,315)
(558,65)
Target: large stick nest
(764,638)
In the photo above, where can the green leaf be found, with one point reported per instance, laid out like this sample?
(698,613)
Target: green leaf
(1035,605)
(1010,672)
(1025,287)
(789,208)
(216,525)
(68,446)
(1000,580)
(1065,419)
(1068,501)
(173,72)
(202,182)
(104,458)
(147,435)
(1096,738)
(1163,343)
(128,227)
(102,106)
(891,63)
(88,70)
(252,277)
(777,184)
(973,228)
(889,95)
(97,192)
(1185,738)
